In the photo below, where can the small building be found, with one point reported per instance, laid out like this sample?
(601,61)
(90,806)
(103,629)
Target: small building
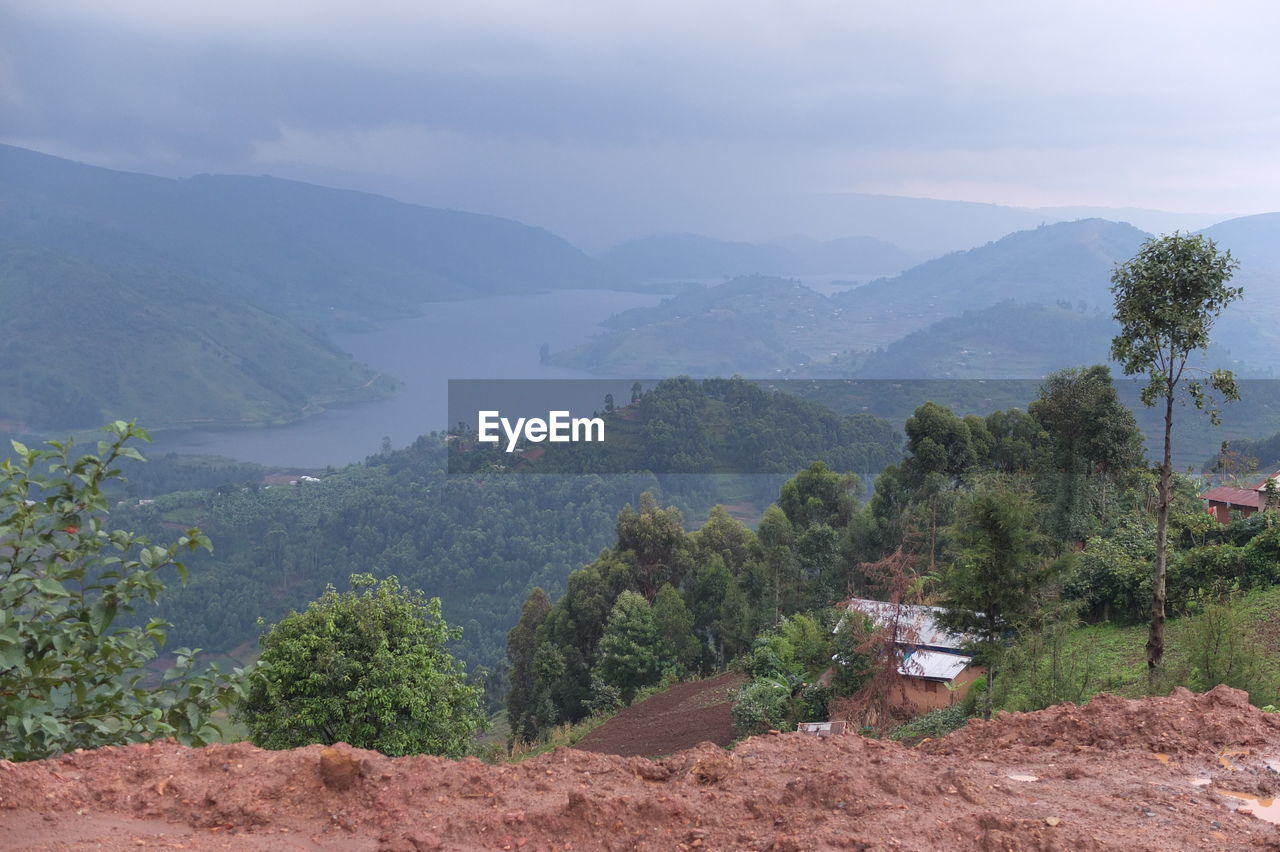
(937,669)
(1226,499)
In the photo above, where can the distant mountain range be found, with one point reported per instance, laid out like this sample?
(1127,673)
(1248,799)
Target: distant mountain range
(293,248)
(1017,307)
(184,302)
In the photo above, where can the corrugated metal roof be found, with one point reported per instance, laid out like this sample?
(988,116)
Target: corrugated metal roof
(1234,496)
(917,625)
(935,665)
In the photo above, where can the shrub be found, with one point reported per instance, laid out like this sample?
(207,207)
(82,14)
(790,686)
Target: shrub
(367,667)
(71,676)
(761,705)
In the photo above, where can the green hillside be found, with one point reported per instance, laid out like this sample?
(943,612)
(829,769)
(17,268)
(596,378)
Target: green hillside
(293,248)
(1071,261)
(88,342)
(723,426)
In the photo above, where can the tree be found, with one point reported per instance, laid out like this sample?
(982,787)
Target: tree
(70,674)
(523,698)
(998,572)
(1090,435)
(674,623)
(655,538)
(630,650)
(1167,298)
(367,667)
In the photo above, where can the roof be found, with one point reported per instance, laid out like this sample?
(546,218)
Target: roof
(1262,484)
(1234,496)
(934,665)
(917,625)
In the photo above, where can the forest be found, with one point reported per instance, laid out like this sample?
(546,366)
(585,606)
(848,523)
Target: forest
(1062,486)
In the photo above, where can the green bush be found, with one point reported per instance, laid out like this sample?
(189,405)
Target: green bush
(367,667)
(934,724)
(71,675)
(760,706)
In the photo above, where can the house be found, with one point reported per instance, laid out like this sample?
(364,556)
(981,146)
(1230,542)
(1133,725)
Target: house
(1226,499)
(937,670)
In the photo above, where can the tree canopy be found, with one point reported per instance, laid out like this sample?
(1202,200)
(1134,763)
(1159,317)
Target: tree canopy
(72,670)
(367,667)
(1167,298)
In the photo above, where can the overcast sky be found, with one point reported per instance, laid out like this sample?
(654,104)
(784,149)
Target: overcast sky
(603,119)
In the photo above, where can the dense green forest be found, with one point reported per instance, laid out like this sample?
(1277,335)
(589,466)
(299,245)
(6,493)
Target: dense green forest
(1061,485)
(481,540)
(686,426)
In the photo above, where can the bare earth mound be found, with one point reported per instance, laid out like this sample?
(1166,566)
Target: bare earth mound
(674,719)
(1114,774)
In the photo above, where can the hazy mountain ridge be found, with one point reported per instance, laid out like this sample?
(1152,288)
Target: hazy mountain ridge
(290,247)
(1020,306)
(89,342)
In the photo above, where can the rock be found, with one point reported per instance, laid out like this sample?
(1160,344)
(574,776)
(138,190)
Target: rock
(1052,822)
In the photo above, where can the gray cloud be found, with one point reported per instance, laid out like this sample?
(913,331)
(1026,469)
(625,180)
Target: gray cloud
(541,109)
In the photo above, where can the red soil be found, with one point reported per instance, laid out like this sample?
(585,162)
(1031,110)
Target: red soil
(1115,774)
(675,719)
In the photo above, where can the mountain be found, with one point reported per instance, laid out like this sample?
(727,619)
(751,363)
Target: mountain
(1069,262)
(1020,306)
(292,248)
(753,325)
(1252,240)
(86,342)
(693,256)
(1007,340)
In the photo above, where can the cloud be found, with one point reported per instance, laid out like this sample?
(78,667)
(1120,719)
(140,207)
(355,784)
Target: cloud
(1012,101)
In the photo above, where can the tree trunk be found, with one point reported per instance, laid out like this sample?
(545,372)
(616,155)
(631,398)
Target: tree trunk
(1155,638)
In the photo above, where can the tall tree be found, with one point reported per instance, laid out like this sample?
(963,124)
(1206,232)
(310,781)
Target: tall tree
(1090,435)
(1167,298)
(522,646)
(631,648)
(999,570)
(655,539)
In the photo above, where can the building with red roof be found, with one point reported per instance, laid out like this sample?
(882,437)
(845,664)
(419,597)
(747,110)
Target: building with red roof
(1226,499)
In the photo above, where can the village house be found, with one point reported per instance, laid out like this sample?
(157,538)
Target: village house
(1226,499)
(937,670)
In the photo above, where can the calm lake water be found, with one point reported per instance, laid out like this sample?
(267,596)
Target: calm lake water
(492,338)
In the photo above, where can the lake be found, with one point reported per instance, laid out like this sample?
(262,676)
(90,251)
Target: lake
(491,338)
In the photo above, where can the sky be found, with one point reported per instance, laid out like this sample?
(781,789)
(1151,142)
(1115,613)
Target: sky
(603,119)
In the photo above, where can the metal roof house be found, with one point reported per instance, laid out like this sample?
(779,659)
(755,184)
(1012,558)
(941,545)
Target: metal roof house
(934,662)
(1226,499)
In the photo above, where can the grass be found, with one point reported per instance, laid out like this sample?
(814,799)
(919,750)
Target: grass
(1117,659)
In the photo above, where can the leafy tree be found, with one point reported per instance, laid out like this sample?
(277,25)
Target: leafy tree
(674,622)
(70,673)
(937,442)
(1090,434)
(1167,298)
(998,571)
(656,540)
(522,646)
(630,652)
(367,667)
